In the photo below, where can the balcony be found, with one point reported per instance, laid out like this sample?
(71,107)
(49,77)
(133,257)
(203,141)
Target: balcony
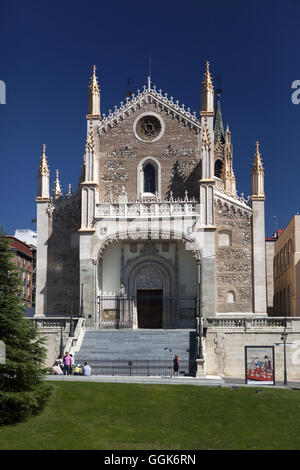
(146,208)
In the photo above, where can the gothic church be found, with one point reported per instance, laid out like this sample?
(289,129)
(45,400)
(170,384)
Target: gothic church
(156,234)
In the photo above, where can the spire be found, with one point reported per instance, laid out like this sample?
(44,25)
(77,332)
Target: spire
(227,138)
(43,178)
(44,170)
(218,121)
(57,189)
(227,174)
(69,190)
(257,164)
(207,92)
(258,191)
(94,96)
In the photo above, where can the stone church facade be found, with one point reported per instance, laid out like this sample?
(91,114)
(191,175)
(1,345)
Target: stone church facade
(156,235)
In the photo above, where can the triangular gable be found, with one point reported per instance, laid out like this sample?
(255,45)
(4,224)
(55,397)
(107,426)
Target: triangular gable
(149,95)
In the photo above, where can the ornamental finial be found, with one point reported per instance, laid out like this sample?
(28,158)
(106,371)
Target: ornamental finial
(44,165)
(94,96)
(57,189)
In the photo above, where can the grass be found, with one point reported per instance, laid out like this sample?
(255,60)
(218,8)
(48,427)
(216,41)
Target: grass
(159,417)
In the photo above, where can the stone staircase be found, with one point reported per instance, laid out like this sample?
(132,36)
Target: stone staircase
(137,352)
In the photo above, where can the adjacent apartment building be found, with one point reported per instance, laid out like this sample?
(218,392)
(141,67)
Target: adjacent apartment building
(287,270)
(24,260)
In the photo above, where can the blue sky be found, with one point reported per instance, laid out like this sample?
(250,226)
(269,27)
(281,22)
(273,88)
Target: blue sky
(48,49)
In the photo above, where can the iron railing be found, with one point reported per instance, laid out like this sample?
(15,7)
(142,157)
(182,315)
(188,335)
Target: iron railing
(162,367)
(116,311)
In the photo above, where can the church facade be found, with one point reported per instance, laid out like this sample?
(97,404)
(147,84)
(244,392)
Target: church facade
(155,235)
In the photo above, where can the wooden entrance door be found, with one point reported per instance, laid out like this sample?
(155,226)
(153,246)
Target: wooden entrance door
(149,308)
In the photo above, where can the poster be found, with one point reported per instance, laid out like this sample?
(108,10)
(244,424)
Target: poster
(259,365)
(109,314)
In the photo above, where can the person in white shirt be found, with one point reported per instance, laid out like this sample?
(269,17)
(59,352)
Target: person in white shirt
(87,369)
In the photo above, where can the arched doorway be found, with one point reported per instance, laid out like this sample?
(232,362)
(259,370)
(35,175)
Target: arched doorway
(149,297)
(151,281)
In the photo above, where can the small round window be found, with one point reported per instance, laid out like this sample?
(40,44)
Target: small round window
(148,127)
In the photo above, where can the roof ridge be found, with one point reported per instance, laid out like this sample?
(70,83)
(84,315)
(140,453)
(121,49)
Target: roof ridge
(135,100)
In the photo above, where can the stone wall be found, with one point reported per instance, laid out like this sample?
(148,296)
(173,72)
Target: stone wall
(225,348)
(177,151)
(63,257)
(270,275)
(52,343)
(233,259)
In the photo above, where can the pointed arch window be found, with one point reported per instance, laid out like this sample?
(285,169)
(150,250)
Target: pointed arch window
(230,297)
(218,168)
(149,179)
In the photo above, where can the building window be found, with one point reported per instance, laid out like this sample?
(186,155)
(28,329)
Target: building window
(148,127)
(218,168)
(289,301)
(230,297)
(289,252)
(285,257)
(149,179)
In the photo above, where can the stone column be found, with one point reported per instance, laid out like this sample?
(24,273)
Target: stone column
(42,257)
(88,294)
(259,257)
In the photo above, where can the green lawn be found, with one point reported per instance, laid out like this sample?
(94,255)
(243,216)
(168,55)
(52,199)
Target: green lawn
(149,417)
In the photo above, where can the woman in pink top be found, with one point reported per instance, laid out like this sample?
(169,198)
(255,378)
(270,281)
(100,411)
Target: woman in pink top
(67,363)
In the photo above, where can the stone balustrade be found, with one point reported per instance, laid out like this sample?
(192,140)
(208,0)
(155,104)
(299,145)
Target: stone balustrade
(252,322)
(147,208)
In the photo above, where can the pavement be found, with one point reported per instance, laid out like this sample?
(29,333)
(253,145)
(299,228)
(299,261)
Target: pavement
(208,381)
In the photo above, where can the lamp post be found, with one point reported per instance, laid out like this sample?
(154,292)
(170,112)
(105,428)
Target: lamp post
(284,338)
(61,349)
(71,333)
(81,301)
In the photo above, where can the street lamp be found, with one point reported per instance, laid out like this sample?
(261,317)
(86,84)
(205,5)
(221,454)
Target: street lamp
(284,338)
(71,333)
(61,349)
(81,301)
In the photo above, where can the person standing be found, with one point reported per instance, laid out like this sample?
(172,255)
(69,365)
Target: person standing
(67,363)
(176,365)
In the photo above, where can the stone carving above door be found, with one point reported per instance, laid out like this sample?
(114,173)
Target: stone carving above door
(149,278)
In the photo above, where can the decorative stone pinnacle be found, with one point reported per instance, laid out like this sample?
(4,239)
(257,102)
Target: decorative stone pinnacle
(44,165)
(94,87)
(207,80)
(57,189)
(257,165)
(257,149)
(257,168)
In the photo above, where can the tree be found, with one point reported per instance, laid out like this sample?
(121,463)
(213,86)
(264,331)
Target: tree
(22,389)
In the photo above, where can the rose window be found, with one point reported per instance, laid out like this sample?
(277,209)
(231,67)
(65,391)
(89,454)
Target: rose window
(148,127)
